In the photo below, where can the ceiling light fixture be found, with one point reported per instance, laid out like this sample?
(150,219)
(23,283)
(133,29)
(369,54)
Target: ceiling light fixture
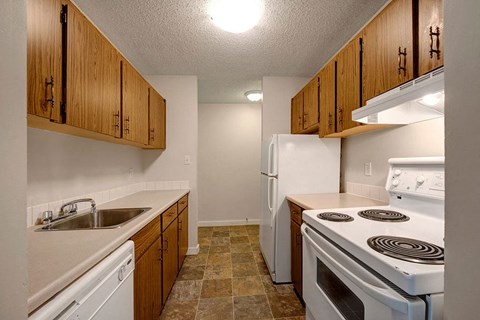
(254,95)
(235,16)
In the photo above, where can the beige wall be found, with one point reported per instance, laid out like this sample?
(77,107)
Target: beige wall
(62,166)
(415,140)
(182,132)
(229,137)
(462,92)
(13,160)
(277,95)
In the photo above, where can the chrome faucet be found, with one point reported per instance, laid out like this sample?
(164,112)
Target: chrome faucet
(72,207)
(68,209)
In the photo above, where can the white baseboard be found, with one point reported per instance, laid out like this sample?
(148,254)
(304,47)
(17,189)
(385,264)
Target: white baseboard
(192,251)
(220,223)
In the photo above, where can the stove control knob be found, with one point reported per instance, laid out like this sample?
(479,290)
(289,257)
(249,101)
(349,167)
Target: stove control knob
(420,179)
(397,172)
(395,183)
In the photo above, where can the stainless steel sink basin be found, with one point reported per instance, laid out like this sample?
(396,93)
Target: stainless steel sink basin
(105,219)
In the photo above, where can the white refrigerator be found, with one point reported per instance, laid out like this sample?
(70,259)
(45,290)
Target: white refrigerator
(292,164)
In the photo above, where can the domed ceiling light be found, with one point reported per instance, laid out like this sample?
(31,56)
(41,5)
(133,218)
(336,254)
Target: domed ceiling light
(235,16)
(254,95)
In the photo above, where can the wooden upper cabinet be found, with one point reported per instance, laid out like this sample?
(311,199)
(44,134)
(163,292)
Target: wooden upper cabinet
(135,105)
(44,58)
(93,77)
(430,33)
(348,84)
(327,99)
(157,119)
(388,49)
(310,104)
(297,113)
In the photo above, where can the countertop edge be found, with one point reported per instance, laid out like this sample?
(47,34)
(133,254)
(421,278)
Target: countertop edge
(44,295)
(294,198)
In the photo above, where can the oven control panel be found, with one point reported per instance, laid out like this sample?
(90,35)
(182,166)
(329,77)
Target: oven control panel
(417,180)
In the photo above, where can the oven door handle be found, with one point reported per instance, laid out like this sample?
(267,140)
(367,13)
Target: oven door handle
(386,295)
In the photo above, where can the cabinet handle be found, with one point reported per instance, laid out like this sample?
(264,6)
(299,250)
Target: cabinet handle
(305,117)
(437,43)
(127,124)
(152,134)
(50,84)
(299,121)
(116,120)
(404,66)
(340,111)
(180,225)
(330,122)
(299,239)
(166,247)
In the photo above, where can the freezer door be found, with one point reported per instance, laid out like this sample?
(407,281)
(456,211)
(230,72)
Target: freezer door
(267,222)
(269,158)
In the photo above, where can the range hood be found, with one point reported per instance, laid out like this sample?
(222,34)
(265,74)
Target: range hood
(418,100)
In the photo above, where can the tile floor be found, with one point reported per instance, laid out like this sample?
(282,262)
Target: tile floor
(229,280)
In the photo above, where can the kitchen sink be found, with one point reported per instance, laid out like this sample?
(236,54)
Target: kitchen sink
(102,219)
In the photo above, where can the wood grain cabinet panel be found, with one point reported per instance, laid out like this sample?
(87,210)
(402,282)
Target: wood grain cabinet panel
(310,104)
(148,283)
(430,33)
(134,105)
(327,100)
(388,49)
(157,120)
(44,59)
(348,84)
(93,78)
(170,257)
(296,249)
(182,237)
(297,113)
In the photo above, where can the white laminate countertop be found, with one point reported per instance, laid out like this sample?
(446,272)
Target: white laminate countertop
(57,258)
(332,200)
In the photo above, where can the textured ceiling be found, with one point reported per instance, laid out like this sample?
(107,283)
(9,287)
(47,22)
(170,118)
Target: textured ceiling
(176,37)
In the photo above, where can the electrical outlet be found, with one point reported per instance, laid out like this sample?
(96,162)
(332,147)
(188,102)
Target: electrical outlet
(187,160)
(368,168)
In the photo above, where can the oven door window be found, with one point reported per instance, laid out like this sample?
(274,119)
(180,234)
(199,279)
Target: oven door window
(346,302)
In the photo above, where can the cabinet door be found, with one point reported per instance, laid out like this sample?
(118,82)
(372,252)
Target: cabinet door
(348,84)
(44,58)
(134,105)
(182,237)
(93,77)
(170,257)
(310,104)
(157,119)
(148,283)
(430,30)
(327,99)
(297,113)
(296,256)
(388,49)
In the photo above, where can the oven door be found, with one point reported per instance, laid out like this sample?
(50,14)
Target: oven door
(337,287)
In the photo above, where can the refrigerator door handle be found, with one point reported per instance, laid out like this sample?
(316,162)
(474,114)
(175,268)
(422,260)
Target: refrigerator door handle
(271,191)
(270,157)
(269,195)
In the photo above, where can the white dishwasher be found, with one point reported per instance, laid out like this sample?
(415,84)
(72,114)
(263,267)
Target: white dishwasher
(104,292)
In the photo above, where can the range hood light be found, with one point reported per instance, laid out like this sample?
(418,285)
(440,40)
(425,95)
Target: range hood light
(418,100)
(431,100)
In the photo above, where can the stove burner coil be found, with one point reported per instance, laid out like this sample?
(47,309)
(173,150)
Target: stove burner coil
(383,215)
(335,216)
(407,249)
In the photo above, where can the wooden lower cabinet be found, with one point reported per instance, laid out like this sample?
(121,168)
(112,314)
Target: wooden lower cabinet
(148,272)
(170,257)
(148,283)
(296,248)
(182,237)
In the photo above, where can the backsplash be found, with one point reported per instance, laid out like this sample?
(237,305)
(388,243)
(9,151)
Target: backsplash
(367,191)
(35,212)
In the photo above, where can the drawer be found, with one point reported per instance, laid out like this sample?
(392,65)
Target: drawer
(182,203)
(145,237)
(168,216)
(295,212)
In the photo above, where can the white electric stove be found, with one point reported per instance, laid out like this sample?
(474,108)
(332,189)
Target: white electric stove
(380,262)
